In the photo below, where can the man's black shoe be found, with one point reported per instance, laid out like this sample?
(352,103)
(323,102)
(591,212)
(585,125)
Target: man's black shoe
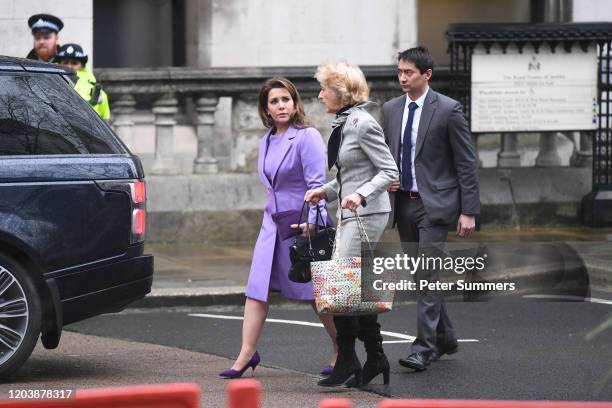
(450,348)
(416,361)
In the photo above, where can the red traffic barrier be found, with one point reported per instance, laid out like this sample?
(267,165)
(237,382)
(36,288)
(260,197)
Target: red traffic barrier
(142,396)
(425,403)
(243,394)
(335,403)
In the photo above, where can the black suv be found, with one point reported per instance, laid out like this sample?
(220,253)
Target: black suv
(72,212)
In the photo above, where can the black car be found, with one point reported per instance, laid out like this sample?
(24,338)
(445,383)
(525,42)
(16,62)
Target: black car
(72,212)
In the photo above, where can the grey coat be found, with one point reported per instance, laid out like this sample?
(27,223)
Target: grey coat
(445,163)
(366,165)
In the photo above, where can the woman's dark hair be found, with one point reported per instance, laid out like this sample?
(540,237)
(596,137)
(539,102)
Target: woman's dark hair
(419,56)
(298,118)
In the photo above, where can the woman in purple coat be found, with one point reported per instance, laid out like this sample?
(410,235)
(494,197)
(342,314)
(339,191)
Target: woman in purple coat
(292,160)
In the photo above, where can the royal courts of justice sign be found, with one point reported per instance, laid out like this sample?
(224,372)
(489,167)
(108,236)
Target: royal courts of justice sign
(526,92)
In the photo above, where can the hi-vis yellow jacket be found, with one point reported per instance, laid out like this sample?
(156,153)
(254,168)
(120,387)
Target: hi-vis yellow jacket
(92,92)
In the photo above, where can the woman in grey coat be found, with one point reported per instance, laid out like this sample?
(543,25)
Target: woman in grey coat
(365,170)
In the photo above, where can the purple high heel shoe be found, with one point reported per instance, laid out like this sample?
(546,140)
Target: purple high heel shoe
(327,371)
(253,362)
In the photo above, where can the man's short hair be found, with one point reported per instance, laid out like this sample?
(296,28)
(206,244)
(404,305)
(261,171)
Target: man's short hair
(419,56)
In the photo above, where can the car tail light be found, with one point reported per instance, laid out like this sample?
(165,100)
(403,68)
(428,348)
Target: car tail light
(139,211)
(138,197)
(139,192)
(139,219)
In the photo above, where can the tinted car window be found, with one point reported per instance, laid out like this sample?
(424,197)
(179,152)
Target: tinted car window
(41,115)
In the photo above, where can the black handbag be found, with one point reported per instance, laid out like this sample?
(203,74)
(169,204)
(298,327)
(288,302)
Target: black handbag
(316,246)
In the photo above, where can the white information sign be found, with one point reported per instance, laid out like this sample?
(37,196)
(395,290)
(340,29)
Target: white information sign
(534,92)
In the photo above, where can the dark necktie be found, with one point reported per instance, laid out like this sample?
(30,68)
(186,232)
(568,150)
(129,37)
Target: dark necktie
(407,149)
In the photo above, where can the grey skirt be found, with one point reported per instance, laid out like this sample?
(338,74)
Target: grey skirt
(349,239)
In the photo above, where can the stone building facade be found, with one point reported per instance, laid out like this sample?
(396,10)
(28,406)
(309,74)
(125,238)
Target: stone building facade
(183,76)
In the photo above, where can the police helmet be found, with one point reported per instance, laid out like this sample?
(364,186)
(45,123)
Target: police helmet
(45,23)
(74,51)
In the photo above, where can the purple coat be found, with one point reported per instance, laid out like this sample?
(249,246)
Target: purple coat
(302,168)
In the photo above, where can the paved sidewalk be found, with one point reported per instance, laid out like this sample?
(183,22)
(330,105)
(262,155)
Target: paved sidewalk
(207,274)
(84,361)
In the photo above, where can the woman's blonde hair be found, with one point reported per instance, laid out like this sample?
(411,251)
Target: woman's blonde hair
(345,80)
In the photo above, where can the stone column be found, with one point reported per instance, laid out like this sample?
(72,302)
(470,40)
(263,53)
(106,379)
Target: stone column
(123,108)
(164,109)
(583,156)
(548,156)
(206,162)
(508,155)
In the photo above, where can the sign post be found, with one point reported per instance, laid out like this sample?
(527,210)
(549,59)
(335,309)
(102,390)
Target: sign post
(540,78)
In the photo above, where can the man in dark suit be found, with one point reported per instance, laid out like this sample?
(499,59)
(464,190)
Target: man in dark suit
(430,140)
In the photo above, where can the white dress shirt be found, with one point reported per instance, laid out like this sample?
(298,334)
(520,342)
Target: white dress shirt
(415,129)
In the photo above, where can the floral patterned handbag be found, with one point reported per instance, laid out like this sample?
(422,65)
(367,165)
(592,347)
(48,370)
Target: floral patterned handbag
(337,284)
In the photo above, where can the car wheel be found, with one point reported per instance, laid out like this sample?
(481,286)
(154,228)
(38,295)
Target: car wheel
(20,315)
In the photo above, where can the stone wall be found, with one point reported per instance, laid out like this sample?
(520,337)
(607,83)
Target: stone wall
(280,33)
(228,207)
(201,126)
(591,10)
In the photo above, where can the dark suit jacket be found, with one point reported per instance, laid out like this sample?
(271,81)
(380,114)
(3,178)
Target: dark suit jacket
(446,166)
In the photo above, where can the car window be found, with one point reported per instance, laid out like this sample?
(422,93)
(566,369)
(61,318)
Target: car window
(41,115)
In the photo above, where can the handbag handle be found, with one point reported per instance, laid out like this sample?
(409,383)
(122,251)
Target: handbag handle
(362,234)
(297,230)
(318,216)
